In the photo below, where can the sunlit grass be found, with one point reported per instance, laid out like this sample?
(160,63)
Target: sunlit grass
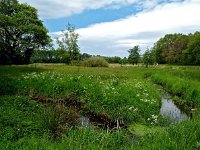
(121,93)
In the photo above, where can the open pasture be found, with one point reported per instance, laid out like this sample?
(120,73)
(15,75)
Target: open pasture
(42,106)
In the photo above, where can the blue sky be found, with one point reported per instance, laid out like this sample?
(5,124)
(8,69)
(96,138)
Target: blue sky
(111,27)
(89,17)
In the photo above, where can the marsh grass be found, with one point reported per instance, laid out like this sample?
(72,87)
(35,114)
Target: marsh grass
(121,93)
(115,97)
(183,86)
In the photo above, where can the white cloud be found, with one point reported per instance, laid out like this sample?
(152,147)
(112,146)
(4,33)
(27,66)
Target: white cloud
(144,29)
(65,8)
(147,4)
(115,38)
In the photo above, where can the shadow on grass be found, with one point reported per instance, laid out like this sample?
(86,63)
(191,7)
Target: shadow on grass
(9,76)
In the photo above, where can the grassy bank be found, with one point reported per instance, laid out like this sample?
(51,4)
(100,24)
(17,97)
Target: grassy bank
(183,82)
(122,94)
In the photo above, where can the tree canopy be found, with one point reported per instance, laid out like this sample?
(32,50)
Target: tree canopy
(134,55)
(20,32)
(192,53)
(148,57)
(178,49)
(69,43)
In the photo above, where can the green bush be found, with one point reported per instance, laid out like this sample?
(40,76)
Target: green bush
(95,62)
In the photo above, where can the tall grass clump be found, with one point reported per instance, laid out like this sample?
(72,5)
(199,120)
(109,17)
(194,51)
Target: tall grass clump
(95,62)
(76,139)
(183,136)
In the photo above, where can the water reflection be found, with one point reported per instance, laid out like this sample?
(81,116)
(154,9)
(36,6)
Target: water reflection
(171,111)
(84,121)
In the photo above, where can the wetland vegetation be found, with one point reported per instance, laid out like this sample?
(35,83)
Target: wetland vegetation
(42,104)
(57,98)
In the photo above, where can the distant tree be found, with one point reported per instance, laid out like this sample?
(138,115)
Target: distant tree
(114,59)
(123,61)
(148,57)
(50,56)
(134,55)
(20,32)
(69,42)
(161,48)
(85,56)
(157,51)
(192,53)
(169,49)
(173,47)
(181,44)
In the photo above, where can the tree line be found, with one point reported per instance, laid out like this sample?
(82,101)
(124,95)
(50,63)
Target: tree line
(24,39)
(175,49)
(62,56)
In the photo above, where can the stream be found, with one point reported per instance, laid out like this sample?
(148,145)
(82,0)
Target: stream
(171,111)
(84,121)
(168,109)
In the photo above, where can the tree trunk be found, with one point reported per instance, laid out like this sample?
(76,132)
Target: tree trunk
(27,56)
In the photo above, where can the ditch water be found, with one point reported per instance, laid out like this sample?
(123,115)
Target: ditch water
(168,109)
(84,121)
(171,111)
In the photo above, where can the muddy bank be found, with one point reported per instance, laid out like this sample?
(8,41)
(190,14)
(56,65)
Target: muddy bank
(99,120)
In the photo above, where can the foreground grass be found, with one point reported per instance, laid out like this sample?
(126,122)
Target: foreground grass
(120,93)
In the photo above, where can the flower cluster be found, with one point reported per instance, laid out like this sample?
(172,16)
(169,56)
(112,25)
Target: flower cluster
(132,108)
(148,101)
(153,119)
(44,75)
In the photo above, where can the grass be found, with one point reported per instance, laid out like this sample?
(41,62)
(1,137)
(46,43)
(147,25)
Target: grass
(181,82)
(126,94)
(20,117)
(142,130)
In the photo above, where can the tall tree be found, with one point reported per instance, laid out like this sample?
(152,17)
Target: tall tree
(134,55)
(69,42)
(20,32)
(148,57)
(173,47)
(169,49)
(192,53)
(157,51)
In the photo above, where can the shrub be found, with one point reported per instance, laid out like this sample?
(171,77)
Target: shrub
(95,62)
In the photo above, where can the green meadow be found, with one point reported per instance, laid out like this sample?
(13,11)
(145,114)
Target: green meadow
(41,106)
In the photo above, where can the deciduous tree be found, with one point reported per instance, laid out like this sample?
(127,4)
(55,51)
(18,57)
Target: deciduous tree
(134,55)
(20,32)
(148,57)
(69,42)
(192,53)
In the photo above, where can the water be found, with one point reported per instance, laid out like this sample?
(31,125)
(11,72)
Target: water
(84,121)
(171,111)
(135,138)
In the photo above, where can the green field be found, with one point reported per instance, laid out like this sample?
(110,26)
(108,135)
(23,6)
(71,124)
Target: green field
(41,105)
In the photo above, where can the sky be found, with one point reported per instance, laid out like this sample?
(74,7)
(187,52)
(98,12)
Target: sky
(112,27)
